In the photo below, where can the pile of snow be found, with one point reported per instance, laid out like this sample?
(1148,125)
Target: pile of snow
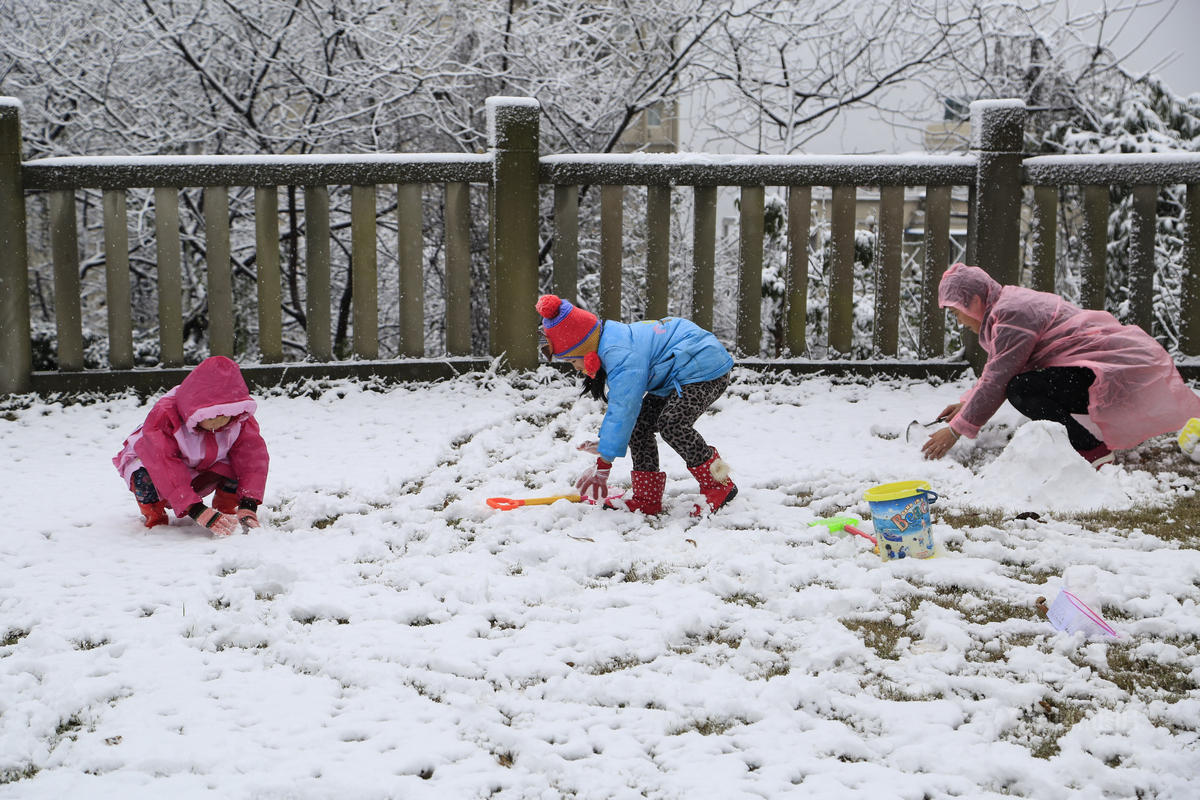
(386,634)
(1040,471)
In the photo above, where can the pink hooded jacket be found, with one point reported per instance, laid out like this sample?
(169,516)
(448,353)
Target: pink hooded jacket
(182,457)
(1138,392)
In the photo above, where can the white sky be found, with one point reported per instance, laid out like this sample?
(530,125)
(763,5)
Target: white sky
(1157,36)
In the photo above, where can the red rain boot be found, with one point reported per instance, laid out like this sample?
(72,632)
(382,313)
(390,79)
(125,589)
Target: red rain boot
(154,513)
(225,502)
(647,493)
(713,476)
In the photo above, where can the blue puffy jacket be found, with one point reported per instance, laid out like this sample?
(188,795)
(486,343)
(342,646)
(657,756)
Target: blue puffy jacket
(657,357)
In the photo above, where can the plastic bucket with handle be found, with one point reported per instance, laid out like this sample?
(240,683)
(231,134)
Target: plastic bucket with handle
(900,513)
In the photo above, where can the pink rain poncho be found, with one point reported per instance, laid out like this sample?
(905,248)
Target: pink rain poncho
(1138,392)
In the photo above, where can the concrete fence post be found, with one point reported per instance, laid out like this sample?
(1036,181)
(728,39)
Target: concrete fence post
(16,356)
(997,139)
(513,140)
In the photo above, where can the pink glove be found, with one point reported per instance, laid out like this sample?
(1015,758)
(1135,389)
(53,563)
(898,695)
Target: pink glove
(220,524)
(248,517)
(595,480)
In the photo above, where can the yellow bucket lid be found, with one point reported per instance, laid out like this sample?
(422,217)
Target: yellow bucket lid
(894,491)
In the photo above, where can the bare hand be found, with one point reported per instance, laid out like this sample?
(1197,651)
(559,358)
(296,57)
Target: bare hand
(950,412)
(939,443)
(590,446)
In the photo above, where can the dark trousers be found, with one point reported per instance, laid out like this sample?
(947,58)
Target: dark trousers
(673,418)
(1055,393)
(146,492)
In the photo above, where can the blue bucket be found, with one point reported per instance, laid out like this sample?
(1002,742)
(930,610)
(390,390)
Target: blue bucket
(900,514)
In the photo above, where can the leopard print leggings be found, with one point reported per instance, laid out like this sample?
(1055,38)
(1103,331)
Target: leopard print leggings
(673,417)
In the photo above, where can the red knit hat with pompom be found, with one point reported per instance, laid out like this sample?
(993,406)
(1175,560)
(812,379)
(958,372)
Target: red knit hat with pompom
(571,331)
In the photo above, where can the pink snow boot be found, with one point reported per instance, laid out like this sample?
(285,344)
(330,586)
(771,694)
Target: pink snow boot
(647,493)
(154,513)
(713,476)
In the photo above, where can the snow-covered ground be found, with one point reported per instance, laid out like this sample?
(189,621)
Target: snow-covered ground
(389,635)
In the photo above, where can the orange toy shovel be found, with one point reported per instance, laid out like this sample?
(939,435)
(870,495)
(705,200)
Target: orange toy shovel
(508,504)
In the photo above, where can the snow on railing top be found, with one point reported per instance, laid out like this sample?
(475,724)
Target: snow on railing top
(704,169)
(115,172)
(1126,169)
(644,169)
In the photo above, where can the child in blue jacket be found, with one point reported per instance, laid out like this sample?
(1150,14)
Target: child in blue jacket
(661,376)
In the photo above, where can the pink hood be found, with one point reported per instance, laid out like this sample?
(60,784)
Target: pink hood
(215,388)
(1137,394)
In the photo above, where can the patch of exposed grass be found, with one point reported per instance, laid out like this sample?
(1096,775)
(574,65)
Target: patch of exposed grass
(325,522)
(711,636)
(889,690)
(777,669)
(1147,679)
(882,635)
(13,636)
(1183,528)
(1047,721)
(707,726)
(615,664)
(90,644)
(14,774)
(969,517)
(744,599)
(646,573)
(68,726)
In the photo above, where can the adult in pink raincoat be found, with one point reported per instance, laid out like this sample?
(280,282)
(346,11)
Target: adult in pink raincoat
(1111,385)
(199,437)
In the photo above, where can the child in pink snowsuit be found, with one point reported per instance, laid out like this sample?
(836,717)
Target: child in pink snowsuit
(199,436)
(1056,361)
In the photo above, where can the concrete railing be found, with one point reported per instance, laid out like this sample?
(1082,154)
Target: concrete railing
(995,175)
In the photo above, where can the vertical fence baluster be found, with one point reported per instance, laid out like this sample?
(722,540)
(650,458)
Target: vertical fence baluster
(364,280)
(170,279)
(704,247)
(220,271)
(64,249)
(1189,301)
(888,257)
(1141,256)
(750,264)
(117,295)
(611,223)
(317,286)
(798,222)
(494,346)
(458,268)
(266,233)
(658,251)
(841,270)
(566,242)
(1045,238)
(937,255)
(1094,238)
(411,283)
(969,252)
